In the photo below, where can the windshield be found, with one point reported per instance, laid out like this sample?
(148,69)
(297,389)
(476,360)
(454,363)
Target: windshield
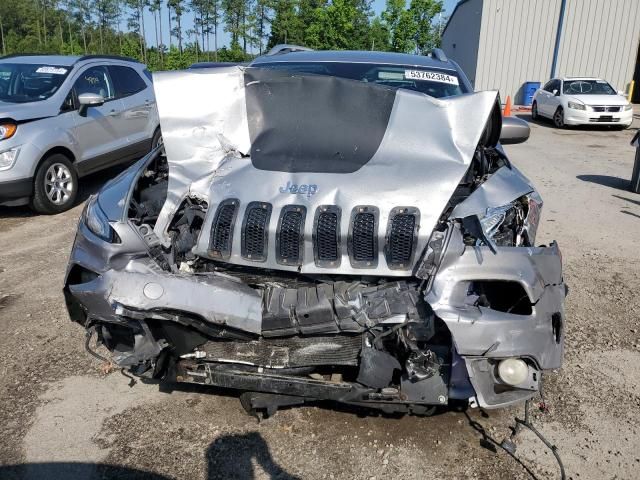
(21,83)
(433,82)
(591,87)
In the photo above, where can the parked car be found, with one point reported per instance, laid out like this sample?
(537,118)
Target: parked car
(311,237)
(63,117)
(581,101)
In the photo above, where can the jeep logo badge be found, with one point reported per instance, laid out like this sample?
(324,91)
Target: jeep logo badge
(304,189)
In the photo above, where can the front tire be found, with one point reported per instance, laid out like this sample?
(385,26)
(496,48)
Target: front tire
(558,118)
(55,185)
(534,111)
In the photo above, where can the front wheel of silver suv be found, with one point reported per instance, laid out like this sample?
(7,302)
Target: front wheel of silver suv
(55,185)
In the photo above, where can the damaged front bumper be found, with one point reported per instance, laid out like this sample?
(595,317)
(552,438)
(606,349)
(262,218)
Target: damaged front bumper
(163,323)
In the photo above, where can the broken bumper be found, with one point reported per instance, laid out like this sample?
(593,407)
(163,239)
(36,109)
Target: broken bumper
(119,284)
(483,336)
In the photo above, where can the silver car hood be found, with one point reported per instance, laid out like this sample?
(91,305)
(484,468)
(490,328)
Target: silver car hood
(29,111)
(225,131)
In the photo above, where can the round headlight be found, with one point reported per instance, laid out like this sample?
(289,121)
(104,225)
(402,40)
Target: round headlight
(513,371)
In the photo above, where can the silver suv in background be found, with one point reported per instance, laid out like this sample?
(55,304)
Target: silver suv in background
(63,117)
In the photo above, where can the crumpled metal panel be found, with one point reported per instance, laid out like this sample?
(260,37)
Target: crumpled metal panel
(480,331)
(504,186)
(143,287)
(426,149)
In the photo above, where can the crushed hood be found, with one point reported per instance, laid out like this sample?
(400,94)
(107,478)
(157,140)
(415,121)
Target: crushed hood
(276,140)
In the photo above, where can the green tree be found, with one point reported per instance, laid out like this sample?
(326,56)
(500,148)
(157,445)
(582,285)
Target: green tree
(285,26)
(427,35)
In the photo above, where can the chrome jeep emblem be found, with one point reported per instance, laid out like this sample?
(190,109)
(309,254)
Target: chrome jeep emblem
(304,189)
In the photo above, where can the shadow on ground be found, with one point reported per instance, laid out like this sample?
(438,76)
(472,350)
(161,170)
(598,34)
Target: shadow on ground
(606,180)
(229,457)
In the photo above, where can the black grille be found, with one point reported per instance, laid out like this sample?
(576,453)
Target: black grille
(327,239)
(327,236)
(364,245)
(606,109)
(401,237)
(255,229)
(222,229)
(290,235)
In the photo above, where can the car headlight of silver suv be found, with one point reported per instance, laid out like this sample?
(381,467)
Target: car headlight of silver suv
(8,158)
(627,107)
(577,106)
(7,130)
(96,221)
(514,224)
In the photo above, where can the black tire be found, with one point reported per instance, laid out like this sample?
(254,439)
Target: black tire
(558,118)
(157,138)
(55,185)
(534,111)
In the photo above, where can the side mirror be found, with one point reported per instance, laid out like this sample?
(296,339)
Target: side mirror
(556,92)
(514,130)
(89,100)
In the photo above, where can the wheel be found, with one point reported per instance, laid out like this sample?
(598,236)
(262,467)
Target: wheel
(558,118)
(157,139)
(534,111)
(55,185)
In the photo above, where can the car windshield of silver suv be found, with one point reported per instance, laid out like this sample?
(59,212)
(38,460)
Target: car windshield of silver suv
(22,83)
(308,237)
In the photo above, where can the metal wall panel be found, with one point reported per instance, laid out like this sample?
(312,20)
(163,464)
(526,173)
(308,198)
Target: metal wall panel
(517,38)
(516,41)
(461,38)
(600,39)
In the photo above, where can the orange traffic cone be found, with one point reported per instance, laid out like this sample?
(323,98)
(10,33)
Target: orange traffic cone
(507,108)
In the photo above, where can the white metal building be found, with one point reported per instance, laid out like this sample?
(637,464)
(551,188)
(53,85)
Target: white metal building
(501,44)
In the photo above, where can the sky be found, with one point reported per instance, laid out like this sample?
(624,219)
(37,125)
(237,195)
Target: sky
(223,37)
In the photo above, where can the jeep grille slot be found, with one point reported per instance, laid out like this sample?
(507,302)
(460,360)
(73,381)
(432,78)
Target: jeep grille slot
(222,228)
(363,237)
(290,235)
(327,236)
(401,237)
(255,231)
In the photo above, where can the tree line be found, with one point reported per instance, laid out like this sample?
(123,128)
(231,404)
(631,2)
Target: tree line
(117,27)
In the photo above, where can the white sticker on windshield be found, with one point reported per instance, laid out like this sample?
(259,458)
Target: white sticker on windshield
(52,70)
(431,76)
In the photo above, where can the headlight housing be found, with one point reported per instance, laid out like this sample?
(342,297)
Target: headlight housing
(577,106)
(514,224)
(7,130)
(96,221)
(627,107)
(8,158)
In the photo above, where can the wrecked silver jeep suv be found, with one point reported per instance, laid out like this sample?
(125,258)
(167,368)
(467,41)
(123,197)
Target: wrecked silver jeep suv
(336,226)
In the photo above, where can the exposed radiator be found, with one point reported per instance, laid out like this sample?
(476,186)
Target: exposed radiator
(288,352)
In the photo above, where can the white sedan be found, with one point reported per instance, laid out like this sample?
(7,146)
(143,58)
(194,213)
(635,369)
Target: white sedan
(581,101)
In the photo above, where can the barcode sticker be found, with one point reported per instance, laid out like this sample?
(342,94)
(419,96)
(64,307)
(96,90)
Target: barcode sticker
(431,76)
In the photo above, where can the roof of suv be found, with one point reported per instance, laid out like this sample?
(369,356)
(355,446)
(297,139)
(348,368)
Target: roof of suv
(62,60)
(355,56)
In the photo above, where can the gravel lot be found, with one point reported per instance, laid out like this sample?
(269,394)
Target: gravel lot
(62,417)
